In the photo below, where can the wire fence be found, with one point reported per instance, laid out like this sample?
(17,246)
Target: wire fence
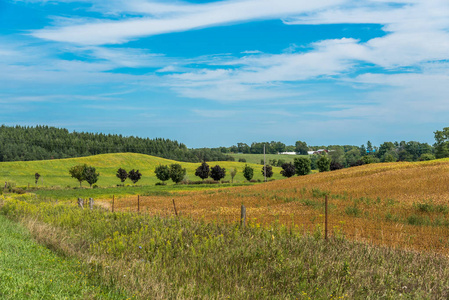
(322,218)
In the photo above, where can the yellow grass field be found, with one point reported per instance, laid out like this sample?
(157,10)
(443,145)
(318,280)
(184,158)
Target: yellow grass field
(396,204)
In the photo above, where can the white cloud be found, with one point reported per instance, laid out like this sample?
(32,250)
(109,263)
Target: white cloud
(416,40)
(181,17)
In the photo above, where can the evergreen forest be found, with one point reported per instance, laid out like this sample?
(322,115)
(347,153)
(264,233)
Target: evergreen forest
(23,143)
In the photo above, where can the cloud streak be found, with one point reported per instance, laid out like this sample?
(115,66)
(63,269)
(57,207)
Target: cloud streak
(157,18)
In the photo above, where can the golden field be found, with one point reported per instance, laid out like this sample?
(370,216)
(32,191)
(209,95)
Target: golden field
(396,204)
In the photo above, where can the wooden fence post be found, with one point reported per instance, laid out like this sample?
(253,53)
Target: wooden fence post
(174,206)
(138,203)
(81,202)
(112,203)
(243,216)
(325,218)
(91,203)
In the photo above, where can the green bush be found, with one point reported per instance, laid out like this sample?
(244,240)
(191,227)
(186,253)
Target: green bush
(302,165)
(324,163)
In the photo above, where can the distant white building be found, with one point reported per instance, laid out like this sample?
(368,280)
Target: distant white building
(287,153)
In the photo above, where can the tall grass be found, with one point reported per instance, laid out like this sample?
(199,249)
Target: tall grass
(158,257)
(31,271)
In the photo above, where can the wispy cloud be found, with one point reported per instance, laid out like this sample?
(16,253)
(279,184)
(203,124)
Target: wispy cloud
(157,18)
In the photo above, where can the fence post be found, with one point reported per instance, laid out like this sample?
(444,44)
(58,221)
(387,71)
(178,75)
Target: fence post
(325,218)
(112,203)
(138,203)
(243,216)
(91,203)
(174,206)
(81,202)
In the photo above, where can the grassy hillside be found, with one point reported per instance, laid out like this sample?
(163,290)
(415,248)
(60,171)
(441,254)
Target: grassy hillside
(55,172)
(396,204)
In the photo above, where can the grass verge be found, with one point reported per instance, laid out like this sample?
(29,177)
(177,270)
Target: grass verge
(31,271)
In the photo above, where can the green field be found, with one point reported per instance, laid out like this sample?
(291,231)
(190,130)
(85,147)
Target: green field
(30,271)
(256,158)
(55,172)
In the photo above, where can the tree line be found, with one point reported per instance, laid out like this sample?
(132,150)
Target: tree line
(23,143)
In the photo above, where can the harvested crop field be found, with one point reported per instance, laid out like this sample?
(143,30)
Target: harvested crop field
(402,205)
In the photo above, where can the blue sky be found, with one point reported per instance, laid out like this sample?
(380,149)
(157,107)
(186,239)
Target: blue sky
(215,73)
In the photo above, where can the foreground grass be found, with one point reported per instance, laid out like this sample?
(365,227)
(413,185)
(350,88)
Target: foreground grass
(168,258)
(31,271)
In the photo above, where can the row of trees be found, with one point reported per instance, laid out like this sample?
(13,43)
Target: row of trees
(270,148)
(83,172)
(301,166)
(349,155)
(22,143)
(175,172)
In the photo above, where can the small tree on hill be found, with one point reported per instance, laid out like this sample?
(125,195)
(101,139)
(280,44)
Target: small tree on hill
(203,171)
(36,177)
(134,176)
(177,173)
(267,171)
(122,174)
(248,172)
(336,165)
(302,165)
(233,173)
(77,172)
(288,170)
(323,163)
(217,173)
(162,173)
(90,175)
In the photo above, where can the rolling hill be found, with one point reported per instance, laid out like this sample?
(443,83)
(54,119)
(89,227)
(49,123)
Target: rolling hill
(396,204)
(55,172)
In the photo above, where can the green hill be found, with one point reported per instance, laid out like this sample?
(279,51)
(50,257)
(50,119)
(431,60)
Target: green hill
(55,172)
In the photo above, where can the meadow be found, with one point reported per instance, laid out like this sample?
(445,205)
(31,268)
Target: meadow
(55,173)
(402,205)
(154,257)
(388,235)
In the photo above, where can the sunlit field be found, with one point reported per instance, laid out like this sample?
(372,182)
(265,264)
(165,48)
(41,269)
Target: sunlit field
(395,204)
(55,173)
